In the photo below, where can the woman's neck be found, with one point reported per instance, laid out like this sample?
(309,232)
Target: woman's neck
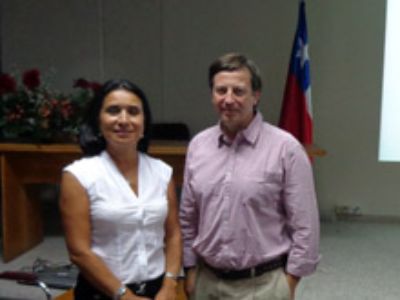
(124,157)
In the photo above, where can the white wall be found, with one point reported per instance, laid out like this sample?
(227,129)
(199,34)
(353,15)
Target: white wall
(347,57)
(166,47)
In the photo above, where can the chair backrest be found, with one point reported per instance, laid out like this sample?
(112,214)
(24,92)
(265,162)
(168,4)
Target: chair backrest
(170,131)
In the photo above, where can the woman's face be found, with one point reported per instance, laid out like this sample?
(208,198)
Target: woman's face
(122,118)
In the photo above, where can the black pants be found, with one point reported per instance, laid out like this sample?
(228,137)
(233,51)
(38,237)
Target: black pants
(84,290)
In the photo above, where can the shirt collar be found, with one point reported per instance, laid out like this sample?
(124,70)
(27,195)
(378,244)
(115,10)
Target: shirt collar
(249,134)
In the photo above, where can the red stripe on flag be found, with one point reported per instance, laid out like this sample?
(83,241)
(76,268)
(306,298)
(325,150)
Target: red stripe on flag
(295,117)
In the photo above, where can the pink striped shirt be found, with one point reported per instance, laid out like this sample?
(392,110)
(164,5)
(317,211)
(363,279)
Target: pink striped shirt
(249,201)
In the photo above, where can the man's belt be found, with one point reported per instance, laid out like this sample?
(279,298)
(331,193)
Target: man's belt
(249,272)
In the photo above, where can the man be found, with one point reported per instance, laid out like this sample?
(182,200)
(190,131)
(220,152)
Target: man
(249,214)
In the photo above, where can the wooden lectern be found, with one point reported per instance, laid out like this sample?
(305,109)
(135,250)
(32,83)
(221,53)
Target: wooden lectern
(23,164)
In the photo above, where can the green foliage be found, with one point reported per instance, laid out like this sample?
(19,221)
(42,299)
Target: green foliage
(31,110)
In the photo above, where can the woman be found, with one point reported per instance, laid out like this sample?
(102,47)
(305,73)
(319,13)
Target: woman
(118,204)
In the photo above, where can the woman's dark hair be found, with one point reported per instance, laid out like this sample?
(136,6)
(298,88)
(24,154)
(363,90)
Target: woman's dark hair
(90,138)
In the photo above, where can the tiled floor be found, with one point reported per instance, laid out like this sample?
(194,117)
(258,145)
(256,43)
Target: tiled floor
(52,249)
(360,261)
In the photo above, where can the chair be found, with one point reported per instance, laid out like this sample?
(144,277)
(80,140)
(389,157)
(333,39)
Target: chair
(45,275)
(170,131)
(27,278)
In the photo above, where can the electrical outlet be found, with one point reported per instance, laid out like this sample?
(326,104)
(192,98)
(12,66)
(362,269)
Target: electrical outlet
(348,211)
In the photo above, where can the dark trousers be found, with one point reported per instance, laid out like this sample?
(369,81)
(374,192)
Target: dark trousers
(84,290)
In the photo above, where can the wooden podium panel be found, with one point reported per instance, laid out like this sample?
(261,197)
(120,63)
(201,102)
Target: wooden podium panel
(23,164)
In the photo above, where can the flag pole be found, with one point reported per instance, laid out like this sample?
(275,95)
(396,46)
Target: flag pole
(296,113)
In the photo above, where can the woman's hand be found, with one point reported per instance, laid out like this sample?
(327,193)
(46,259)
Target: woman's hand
(168,290)
(134,297)
(129,295)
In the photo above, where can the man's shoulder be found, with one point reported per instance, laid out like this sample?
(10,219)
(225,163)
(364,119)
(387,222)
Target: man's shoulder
(206,135)
(279,134)
(279,140)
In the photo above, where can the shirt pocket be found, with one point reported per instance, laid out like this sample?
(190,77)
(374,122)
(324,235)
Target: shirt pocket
(263,191)
(207,189)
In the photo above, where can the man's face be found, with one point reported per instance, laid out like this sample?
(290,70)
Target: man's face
(234,99)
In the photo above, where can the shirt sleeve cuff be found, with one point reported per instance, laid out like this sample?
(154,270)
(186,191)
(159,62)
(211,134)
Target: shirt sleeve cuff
(303,268)
(189,258)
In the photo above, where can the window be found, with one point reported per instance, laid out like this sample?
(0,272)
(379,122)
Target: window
(389,144)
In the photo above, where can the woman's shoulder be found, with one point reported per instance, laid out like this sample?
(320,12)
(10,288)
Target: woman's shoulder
(84,162)
(86,169)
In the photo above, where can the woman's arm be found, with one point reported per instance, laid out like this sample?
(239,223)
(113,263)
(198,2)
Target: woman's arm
(74,208)
(173,246)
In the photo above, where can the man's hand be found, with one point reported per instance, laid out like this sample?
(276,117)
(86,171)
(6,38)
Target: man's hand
(190,281)
(292,282)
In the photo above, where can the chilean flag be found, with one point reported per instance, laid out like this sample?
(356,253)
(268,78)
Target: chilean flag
(296,113)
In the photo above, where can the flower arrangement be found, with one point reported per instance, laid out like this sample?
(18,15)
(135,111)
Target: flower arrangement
(31,110)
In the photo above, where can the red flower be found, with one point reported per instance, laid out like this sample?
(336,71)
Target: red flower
(54,102)
(66,109)
(45,110)
(7,84)
(16,114)
(95,86)
(82,83)
(31,79)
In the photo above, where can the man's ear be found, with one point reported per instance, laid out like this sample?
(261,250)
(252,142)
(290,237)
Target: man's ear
(257,96)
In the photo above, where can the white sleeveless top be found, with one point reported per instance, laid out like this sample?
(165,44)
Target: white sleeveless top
(127,230)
